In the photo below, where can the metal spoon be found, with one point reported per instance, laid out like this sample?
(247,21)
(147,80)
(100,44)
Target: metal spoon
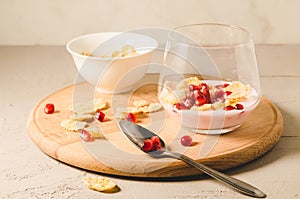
(137,134)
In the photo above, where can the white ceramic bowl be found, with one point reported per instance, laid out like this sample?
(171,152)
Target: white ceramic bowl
(112,75)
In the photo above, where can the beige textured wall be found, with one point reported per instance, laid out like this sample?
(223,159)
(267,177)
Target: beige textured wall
(54,22)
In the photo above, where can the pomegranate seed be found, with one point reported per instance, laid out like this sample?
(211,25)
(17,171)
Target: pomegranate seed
(100,116)
(229,108)
(219,95)
(196,94)
(222,85)
(177,106)
(86,136)
(201,100)
(225,85)
(183,107)
(194,87)
(188,102)
(155,140)
(208,100)
(204,86)
(186,140)
(205,92)
(228,93)
(130,117)
(148,145)
(239,106)
(49,108)
(157,147)
(190,95)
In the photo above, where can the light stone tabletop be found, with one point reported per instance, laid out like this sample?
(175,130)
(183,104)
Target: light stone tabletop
(30,73)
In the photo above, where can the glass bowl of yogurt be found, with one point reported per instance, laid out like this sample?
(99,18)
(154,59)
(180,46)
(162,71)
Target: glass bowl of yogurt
(210,80)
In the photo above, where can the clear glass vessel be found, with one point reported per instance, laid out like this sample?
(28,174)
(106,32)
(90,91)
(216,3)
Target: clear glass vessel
(210,81)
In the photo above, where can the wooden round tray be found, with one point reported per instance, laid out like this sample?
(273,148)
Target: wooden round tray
(114,154)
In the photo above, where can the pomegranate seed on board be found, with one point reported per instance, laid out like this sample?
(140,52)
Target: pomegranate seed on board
(86,136)
(49,108)
(130,117)
(100,116)
(186,140)
(148,145)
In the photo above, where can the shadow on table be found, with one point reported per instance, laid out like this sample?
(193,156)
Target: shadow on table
(277,152)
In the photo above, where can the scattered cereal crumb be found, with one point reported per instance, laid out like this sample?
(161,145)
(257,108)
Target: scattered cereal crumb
(99,104)
(153,107)
(99,183)
(94,131)
(134,110)
(173,97)
(140,106)
(130,109)
(81,117)
(119,115)
(140,103)
(90,107)
(82,108)
(72,125)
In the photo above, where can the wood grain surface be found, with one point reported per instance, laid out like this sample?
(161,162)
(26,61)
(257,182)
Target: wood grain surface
(114,154)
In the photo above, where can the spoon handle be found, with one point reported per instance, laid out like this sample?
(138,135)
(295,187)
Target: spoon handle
(230,181)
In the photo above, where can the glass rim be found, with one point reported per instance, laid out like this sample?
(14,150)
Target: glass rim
(245,41)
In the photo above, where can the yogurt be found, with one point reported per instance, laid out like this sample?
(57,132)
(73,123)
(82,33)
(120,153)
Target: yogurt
(211,116)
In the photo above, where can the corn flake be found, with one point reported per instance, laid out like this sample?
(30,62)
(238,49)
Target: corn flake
(82,108)
(153,107)
(88,108)
(115,54)
(94,131)
(140,103)
(99,183)
(81,117)
(72,125)
(99,104)
(128,50)
(86,53)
